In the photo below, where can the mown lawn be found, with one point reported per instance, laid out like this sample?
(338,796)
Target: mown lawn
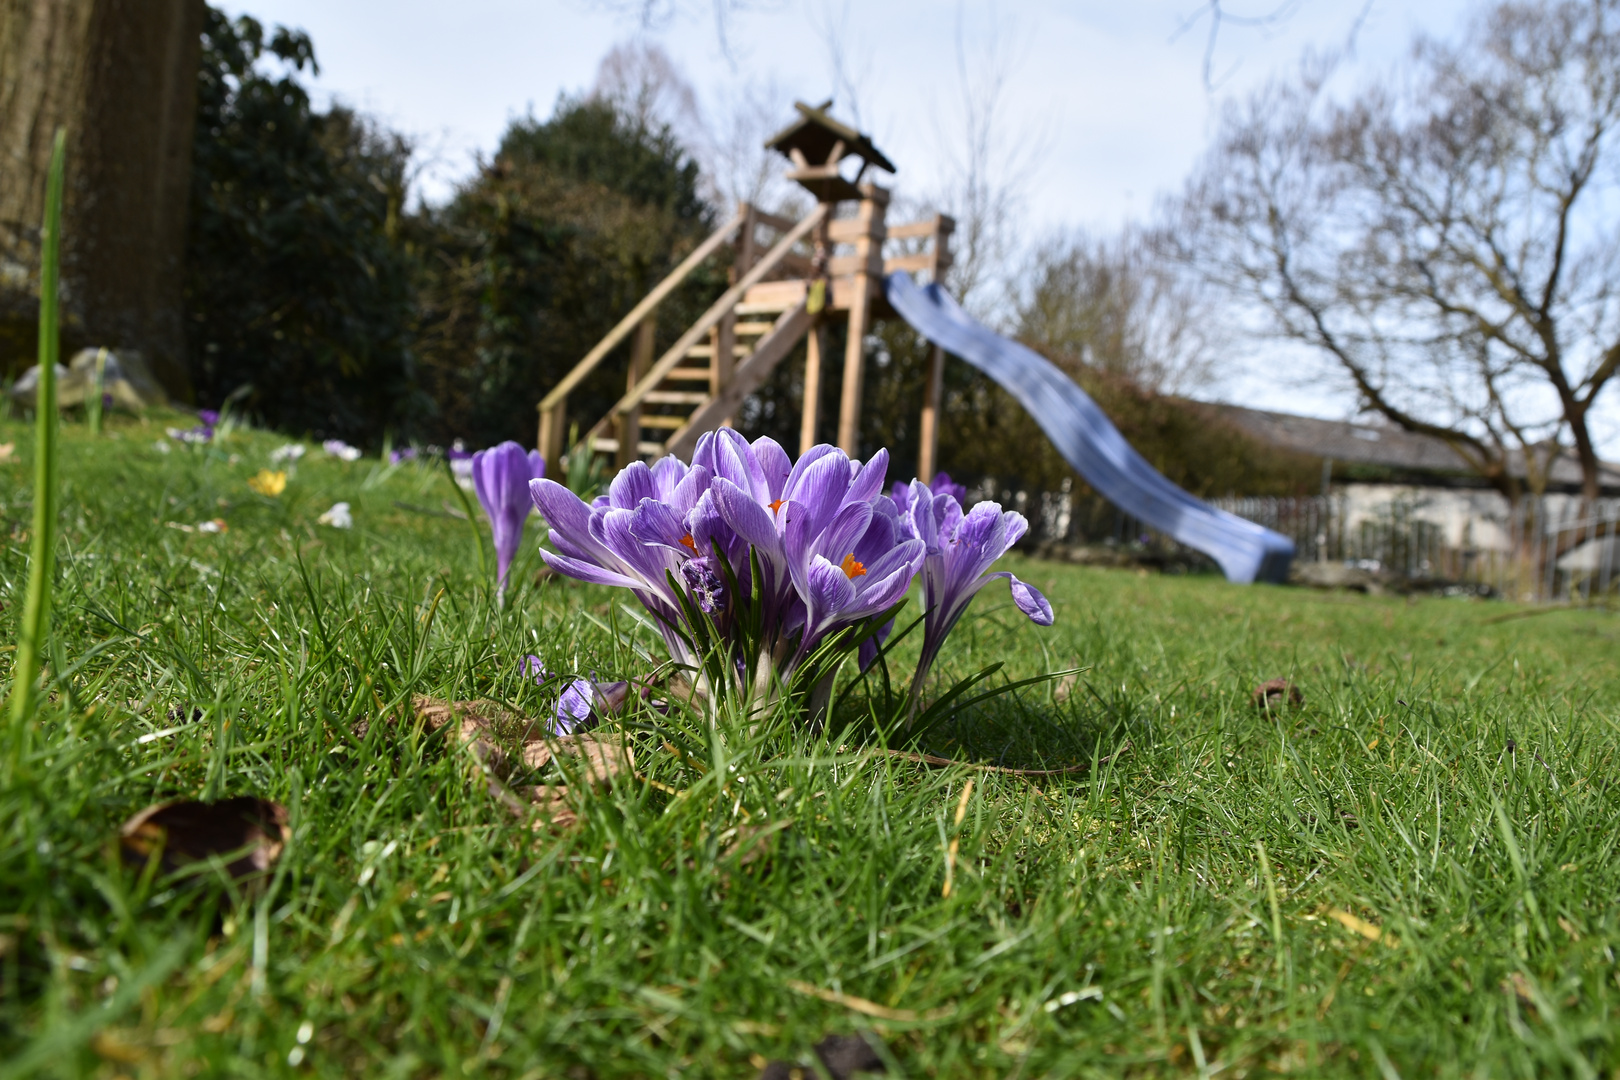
(1413,874)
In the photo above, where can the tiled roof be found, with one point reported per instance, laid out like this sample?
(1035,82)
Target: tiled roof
(1390,447)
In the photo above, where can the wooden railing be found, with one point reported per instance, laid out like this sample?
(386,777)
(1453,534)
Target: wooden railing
(710,319)
(553,407)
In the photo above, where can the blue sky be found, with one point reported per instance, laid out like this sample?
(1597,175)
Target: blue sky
(1121,108)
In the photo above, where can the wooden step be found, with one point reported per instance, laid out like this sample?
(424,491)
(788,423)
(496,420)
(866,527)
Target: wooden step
(611,446)
(667,423)
(704,352)
(689,374)
(675,397)
(768,307)
(753,329)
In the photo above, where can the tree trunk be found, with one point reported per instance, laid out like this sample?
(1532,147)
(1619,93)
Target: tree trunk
(121,76)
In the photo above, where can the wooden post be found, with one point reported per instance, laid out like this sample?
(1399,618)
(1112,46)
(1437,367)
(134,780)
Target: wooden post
(641,354)
(724,337)
(868,275)
(550,442)
(815,347)
(724,361)
(928,429)
(934,392)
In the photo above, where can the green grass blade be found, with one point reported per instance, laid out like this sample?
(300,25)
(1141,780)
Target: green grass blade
(37,605)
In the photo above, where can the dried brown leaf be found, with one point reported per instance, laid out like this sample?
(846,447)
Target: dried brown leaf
(184,831)
(1064,687)
(1273,693)
(599,757)
(552,808)
(751,843)
(842,1055)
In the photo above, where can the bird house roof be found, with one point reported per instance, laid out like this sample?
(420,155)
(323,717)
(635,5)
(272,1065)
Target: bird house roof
(816,136)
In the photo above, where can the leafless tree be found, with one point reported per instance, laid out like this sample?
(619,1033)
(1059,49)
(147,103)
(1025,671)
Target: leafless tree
(645,86)
(988,159)
(727,141)
(656,14)
(1119,306)
(850,60)
(1445,237)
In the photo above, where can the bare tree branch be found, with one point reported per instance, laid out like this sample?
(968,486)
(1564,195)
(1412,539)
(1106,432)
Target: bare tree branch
(1445,236)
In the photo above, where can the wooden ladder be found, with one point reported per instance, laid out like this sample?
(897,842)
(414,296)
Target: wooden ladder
(701,380)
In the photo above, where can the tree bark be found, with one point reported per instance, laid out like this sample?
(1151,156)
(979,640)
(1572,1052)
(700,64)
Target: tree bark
(121,77)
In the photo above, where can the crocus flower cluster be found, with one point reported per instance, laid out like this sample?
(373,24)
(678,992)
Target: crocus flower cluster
(501,476)
(288,454)
(461,460)
(339,517)
(207,420)
(789,564)
(341,450)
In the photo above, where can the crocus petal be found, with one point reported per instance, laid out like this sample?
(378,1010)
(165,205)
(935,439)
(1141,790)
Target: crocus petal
(750,520)
(846,527)
(634,483)
(774,464)
(694,482)
(820,491)
(574,707)
(1030,601)
(534,666)
(584,571)
(568,515)
(656,523)
(830,590)
(865,485)
(667,473)
(735,461)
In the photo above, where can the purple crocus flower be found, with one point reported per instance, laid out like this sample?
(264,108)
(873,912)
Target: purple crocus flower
(652,521)
(209,417)
(404,453)
(961,550)
(502,476)
(583,702)
(941,484)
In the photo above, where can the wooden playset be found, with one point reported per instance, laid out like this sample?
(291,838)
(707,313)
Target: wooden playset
(789,280)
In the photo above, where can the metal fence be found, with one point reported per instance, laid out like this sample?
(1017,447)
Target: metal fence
(1540,549)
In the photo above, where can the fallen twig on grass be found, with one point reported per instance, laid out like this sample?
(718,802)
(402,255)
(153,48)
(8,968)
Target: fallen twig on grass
(868,1008)
(1067,770)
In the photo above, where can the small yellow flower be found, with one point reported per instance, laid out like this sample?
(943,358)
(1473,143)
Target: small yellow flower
(269,483)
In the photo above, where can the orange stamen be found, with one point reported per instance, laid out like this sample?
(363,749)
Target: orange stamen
(689,542)
(852,568)
(777,505)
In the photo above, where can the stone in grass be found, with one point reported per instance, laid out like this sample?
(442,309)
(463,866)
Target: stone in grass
(842,1055)
(251,832)
(1273,693)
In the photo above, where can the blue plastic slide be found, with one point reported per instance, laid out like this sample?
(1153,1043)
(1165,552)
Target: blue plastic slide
(1088,441)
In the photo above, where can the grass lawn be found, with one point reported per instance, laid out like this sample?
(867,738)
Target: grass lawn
(1413,874)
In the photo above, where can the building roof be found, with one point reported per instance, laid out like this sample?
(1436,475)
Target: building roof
(1414,458)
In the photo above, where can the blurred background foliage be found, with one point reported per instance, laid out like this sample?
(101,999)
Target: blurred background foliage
(300,287)
(539,255)
(336,309)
